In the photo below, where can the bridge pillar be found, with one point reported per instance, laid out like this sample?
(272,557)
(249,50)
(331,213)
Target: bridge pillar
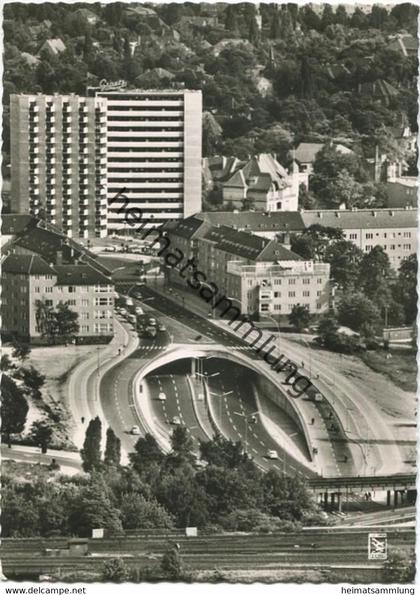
(388,497)
(326,500)
(395,498)
(332,500)
(340,502)
(193,366)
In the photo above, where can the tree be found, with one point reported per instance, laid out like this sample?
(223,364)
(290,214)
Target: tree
(406,287)
(400,567)
(222,452)
(359,313)
(375,276)
(14,408)
(314,241)
(147,453)
(41,434)
(171,564)
(182,445)
(32,379)
(306,198)
(112,448)
(139,513)
(300,317)
(91,451)
(344,258)
(66,322)
(115,569)
(21,350)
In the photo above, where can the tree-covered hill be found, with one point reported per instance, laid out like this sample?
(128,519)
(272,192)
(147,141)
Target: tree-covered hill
(313,74)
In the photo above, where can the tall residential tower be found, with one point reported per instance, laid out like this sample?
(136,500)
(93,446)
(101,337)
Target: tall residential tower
(58,161)
(153,153)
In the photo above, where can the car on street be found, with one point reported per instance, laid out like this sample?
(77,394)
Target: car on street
(161,327)
(129,302)
(152,321)
(162,396)
(135,431)
(123,312)
(272,454)
(176,420)
(138,310)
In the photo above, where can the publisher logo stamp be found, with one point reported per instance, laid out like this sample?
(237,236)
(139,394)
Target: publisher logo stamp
(377,546)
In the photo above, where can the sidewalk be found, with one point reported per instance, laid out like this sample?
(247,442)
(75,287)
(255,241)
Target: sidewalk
(83,384)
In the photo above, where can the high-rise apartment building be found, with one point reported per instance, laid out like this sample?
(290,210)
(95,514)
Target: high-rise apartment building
(58,161)
(153,153)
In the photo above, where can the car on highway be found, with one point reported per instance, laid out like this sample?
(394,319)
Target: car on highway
(272,454)
(161,327)
(176,420)
(138,310)
(132,318)
(135,431)
(123,312)
(152,321)
(129,302)
(162,396)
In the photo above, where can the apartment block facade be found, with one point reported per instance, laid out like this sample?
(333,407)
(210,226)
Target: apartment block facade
(154,154)
(28,279)
(259,275)
(58,161)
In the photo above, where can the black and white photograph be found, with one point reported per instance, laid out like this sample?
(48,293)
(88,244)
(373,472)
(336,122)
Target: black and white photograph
(208,296)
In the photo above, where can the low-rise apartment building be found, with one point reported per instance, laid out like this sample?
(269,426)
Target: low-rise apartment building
(394,229)
(28,280)
(258,275)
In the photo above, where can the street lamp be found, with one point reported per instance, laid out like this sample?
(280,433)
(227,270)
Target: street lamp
(253,417)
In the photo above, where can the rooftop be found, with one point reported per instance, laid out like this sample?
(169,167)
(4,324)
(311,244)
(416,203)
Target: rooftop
(256,221)
(79,274)
(361,218)
(26,264)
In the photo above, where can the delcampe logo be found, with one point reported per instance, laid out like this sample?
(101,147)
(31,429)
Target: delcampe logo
(377,546)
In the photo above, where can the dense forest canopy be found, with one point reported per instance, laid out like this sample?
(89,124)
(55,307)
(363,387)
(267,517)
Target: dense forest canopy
(309,72)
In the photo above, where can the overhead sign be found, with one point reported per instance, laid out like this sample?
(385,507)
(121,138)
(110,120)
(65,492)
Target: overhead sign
(109,85)
(377,546)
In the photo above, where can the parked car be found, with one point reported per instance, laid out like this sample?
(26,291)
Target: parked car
(162,396)
(135,431)
(176,421)
(272,454)
(138,310)
(161,327)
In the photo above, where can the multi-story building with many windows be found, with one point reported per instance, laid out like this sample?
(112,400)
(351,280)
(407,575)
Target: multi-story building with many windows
(58,161)
(29,281)
(257,274)
(154,154)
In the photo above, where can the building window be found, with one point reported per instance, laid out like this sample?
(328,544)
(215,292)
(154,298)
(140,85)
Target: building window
(277,306)
(306,293)
(277,294)
(292,293)
(48,290)
(71,289)
(392,247)
(292,281)
(101,288)
(100,314)
(306,281)
(85,303)
(103,301)
(264,307)
(84,328)
(277,281)
(84,315)
(407,234)
(71,302)
(84,289)
(318,306)
(319,281)
(318,293)
(37,290)
(369,236)
(48,302)
(407,246)
(353,236)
